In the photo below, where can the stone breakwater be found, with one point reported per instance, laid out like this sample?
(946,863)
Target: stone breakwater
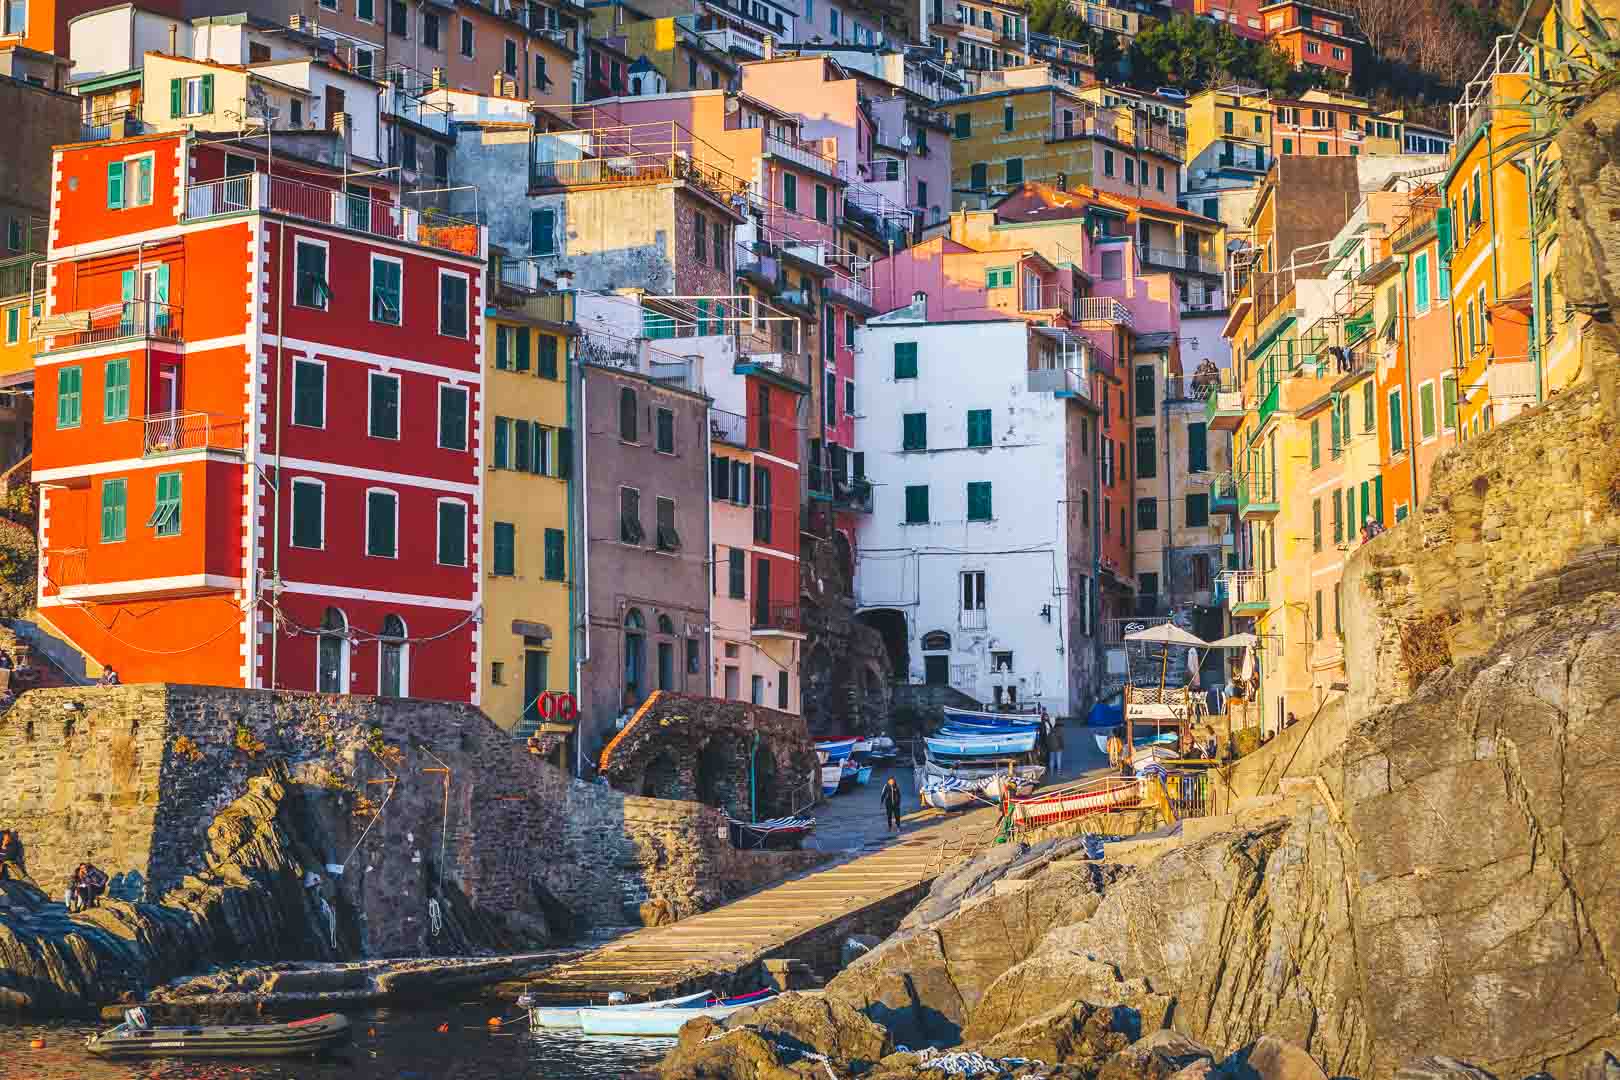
(249,825)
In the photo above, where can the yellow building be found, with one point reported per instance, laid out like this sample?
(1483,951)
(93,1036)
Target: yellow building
(1047,133)
(529,552)
(687,58)
(207,96)
(1229,130)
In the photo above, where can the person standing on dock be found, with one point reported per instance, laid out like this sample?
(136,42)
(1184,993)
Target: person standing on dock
(891,803)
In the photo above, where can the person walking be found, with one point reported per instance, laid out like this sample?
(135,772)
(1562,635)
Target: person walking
(891,803)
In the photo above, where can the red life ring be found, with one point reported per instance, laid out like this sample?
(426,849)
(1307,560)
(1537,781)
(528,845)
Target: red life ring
(548,705)
(567,707)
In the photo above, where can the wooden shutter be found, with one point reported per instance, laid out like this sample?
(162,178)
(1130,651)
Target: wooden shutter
(115,185)
(548,356)
(905,360)
(522,335)
(207,105)
(556,555)
(505,549)
(177,98)
(565,452)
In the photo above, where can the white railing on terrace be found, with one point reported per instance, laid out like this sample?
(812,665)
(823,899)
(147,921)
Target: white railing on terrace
(729,40)
(311,202)
(1104,309)
(849,288)
(1243,587)
(728,427)
(1509,55)
(812,155)
(168,433)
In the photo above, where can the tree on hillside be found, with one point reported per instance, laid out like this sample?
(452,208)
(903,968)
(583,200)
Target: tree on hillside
(1057,18)
(1194,54)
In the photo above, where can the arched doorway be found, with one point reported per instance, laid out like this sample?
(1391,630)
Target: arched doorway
(635,658)
(666,653)
(393,663)
(662,778)
(890,623)
(332,654)
(936,649)
(763,778)
(719,775)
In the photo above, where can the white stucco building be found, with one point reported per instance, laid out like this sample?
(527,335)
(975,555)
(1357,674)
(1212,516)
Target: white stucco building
(975,550)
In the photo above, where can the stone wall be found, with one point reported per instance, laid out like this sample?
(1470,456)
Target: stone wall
(134,777)
(845,675)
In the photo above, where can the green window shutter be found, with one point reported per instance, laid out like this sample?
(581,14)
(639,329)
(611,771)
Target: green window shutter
(116,398)
(1448,392)
(207,94)
(166,517)
(115,186)
(737,574)
(1420,267)
(505,549)
(68,383)
(978,427)
(177,98)
(1316,444)
(452,534)
(914,431)
(964,125)
(905,360)
(1350,513)
(1015,171)
(143,182)
(523,436)
(916,504)
(978,501)
(114,508)
(1426,410)
(821,202)
(1369,413)
(452,418)
(503,348)
(556,555)
(1396,439)
(1147,453)
(384,418)
(1288,146)
(790,191)
(1227,121)
(548,356)
(1197,447)
(1338,516)
(543,232)
(503,443)
(307,512)
(1316,524)
(521,333)
(1197,510)
(1443,233)
(565,452)
(1378,498)
(381,540)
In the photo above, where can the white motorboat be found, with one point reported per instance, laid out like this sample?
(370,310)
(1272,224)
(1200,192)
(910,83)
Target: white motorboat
(651,1020)
(549,1016)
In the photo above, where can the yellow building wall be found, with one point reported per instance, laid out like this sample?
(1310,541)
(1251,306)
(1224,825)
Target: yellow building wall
(16,351)
(532,504)
(1206,120)
(992,144)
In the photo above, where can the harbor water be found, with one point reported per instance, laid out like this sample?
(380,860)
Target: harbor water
(388,1045)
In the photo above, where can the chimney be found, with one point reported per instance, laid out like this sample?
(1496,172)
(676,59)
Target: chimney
(174,40)
(919,300)
(770,46)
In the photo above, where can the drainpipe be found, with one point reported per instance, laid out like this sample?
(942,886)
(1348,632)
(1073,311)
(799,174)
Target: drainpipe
(275,540)
(1411,402)
(583,630)
(576,474)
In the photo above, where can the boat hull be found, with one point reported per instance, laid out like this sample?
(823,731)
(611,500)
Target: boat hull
(982,746)
(297,1039)
(1040,810)
(569,1017)
(948,799)
(831,777)
(667,1022)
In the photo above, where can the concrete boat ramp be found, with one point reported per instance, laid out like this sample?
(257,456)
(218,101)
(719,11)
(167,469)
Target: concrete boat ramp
(805,918)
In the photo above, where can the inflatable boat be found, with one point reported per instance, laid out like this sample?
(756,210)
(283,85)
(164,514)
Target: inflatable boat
(135,1038)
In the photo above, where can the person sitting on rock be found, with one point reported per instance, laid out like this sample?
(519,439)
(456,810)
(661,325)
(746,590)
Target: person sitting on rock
(88,885)
(11,857)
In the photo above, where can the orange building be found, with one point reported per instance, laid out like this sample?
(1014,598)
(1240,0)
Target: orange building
(256,410)
(1315,37)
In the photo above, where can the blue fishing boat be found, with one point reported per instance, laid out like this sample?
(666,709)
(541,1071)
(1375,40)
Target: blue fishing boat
(834,751)
(666,1021)
(831,776)
(987,744)
(992,721)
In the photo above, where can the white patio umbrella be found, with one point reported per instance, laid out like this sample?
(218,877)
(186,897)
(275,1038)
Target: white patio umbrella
(1236,641)
(1166,634)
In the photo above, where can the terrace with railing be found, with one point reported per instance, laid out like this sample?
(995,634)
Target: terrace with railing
(778,619)
(1245,591)
(263,193)
(177,432)
(728,427)
(130,320)
(659,152)
(852,493)
(1509,55)
(16,274)
(818,155)
(1102,309)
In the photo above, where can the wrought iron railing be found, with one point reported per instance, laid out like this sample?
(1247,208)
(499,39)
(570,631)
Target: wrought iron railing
(174,432)
(129,320)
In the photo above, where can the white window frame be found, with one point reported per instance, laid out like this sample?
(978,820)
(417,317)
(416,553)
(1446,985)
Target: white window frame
(365,539)
(132,187)
(466,34)
(404,657)
(292,516)
(292,418)
(399,401)
(466,524)
(371,291)
(466,416)
(983,590)
(191,95)
(466,280)
(326,249)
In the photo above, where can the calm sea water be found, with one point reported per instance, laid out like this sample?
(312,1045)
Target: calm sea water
(389,1045)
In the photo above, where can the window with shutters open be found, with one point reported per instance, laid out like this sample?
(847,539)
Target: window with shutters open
(115,398)
(386,289)
(382,523)
(630,531)
(504,561)
(165,519)
(667,539)
(308,513)
(452,532)
(114,510)
(310,288)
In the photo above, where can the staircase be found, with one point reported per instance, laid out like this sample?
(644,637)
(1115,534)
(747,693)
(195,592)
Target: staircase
(59,660)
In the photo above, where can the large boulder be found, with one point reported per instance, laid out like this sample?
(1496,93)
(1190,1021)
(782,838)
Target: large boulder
(771,1040)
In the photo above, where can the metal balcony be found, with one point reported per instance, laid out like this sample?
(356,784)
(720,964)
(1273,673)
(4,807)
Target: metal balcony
(1223,494)
(1245,592)
(728,427)
(133,320)
(1256,496)
(812,155)
(178,432)
(1223,404)
(1102,309)
(778,620)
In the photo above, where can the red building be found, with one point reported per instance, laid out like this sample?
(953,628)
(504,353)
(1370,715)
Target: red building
(257,424)
(1313,36)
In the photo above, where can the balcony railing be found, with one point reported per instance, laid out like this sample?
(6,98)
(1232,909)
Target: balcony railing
(1102,309)
(972,618)
(1047,298)
(1244,589)
(15,274)
(847,288)
(176,432)
(844,492)
(734,41)
(311,202)
(728,427)
(1223,493)
(1114,630)
(779,617)
(632,154)
(132,320)
(1063,382)
(1256,493)
(811,155)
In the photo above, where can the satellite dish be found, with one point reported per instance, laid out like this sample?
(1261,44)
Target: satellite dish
(905,142)
(732,104)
